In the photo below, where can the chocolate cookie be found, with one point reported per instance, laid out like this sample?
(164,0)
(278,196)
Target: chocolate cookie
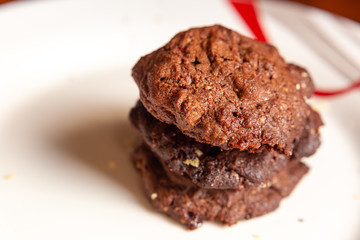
(199,164)
(226,90)
(191,206)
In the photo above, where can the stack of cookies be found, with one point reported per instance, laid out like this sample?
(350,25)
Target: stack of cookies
(225,123)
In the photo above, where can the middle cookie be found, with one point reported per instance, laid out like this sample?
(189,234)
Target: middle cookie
(191,162)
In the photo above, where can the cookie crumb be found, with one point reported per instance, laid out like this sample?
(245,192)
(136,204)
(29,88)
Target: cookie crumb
(262,119)
(265,184)
(306,100)
(153,196)
(320,106)
(112,164)
(300,220)
(9,176)
(256,236)
(193,162)
(235,175)
(304,74)
(198,152)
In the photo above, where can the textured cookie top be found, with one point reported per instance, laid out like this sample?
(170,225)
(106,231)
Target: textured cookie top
(224,89)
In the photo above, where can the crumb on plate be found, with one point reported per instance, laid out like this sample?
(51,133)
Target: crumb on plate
(320,106)
(9,176)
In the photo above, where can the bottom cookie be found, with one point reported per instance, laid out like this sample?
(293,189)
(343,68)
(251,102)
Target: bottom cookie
(191,205)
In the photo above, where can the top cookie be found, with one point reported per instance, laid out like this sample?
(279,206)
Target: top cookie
(226,90)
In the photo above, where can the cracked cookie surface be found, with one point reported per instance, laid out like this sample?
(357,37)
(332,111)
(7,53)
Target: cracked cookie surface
(226,90)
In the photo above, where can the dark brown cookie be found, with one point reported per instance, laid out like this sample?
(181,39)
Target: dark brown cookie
(226,90)
(309,141)
(191,206)
(190,163)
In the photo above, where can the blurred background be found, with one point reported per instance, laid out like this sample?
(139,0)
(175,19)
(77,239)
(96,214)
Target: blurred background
(346,8)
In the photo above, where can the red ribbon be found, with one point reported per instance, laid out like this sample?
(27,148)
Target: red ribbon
(338,91)
(247,10)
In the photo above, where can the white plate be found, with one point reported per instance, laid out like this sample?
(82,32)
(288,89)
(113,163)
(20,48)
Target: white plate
(66,90)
